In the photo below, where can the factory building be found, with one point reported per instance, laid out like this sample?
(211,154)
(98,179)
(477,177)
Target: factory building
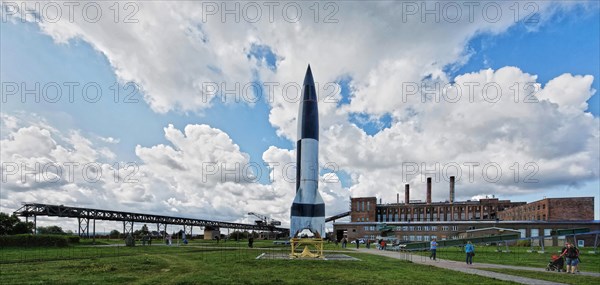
(411,220)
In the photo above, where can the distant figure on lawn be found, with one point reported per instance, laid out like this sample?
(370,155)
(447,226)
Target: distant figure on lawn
(357,243)
(344,242)
(470,250)
(250,242)
(433,248)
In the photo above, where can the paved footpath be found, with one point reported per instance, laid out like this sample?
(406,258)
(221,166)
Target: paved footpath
(470,269)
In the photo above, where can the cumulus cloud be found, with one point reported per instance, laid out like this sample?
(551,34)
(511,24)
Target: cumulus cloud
(201,170)
(535,142)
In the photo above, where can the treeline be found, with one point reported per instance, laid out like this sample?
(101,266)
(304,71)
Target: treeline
(29,240)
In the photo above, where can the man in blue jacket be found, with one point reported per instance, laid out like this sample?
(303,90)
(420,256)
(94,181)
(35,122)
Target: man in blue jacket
(470,250)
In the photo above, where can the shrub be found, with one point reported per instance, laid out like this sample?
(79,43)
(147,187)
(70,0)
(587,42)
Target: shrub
(28,240)
(524,243)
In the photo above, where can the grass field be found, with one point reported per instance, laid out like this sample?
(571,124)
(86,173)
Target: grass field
(550,276)
(200,263)
(517,256)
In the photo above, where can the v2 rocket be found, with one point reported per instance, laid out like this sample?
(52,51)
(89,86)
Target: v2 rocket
(308,208)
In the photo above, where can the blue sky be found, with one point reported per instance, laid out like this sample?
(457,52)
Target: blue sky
(568,42)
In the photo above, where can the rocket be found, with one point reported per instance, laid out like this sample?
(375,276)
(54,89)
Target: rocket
(308,208)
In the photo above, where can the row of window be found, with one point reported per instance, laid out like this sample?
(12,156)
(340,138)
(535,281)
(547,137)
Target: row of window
(360,206)
(418,238)
(442,209)
(417,228)
(426,228)
(429,217)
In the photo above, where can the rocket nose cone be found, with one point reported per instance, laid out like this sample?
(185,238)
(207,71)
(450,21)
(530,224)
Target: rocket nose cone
(308,89)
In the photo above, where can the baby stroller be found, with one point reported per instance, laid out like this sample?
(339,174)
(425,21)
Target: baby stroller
(556,264)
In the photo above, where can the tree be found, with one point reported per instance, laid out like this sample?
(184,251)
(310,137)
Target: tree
(12,225)
(51,230)
(114,234)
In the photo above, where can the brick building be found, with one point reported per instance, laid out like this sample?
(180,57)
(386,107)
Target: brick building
(552,209)
(422,221)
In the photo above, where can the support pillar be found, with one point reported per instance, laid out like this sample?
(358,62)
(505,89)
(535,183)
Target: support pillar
(127,228)
(163,227)
(188,230)
(84,227)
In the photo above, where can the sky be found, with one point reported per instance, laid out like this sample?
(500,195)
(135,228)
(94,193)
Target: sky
(185,109)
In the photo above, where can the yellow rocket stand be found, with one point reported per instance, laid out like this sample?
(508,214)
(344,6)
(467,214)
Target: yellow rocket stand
(315,243)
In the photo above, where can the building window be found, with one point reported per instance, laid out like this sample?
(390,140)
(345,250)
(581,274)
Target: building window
(404,228)
(411,228)
(426,228)
(418,228)
(368,205)
(434,228)
(455,228)
(444,228)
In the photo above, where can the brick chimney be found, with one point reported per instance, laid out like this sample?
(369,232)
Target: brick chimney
(397,198)
(451,189)
(428,190)
(406,194)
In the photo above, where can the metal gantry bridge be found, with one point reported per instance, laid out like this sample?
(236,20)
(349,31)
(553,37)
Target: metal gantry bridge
(85,215)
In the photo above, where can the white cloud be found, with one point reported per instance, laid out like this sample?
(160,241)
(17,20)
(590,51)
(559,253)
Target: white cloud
(545,141)
(170,53)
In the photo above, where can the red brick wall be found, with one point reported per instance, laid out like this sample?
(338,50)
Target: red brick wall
(552,209)
(363,209)
(569,209)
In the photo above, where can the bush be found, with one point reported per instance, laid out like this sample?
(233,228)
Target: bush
(37,240)
(73,239)
(524,243)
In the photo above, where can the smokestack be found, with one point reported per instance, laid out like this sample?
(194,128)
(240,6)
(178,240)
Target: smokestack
(428,190)
(451,189)
(406,194)
(397,198)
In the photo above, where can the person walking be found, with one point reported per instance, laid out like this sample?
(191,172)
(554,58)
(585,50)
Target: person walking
(470,250)
(571,255)
(433,248)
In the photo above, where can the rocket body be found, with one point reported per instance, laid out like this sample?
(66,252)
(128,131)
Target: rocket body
(308,208)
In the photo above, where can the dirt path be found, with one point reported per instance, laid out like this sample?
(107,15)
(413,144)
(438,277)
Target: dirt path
(462,267)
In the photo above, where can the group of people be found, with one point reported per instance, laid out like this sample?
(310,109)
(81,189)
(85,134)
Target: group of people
(571,255)
(469,250)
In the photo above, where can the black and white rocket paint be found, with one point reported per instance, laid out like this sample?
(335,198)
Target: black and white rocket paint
(308,208)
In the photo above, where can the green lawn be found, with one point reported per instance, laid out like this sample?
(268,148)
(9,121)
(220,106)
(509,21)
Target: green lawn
(550,276)
(517,256)
(198,264)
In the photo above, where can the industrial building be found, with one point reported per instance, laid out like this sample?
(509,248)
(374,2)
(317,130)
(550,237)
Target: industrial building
(422,221)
